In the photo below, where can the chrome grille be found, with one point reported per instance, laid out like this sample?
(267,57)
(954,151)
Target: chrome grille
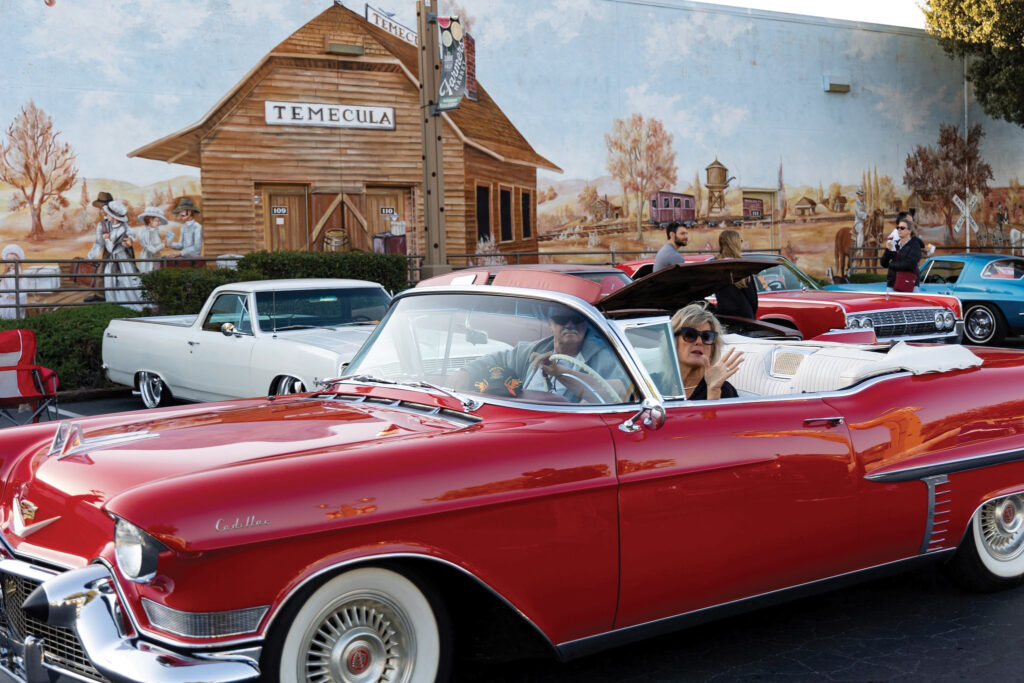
(61,647)
(904,322)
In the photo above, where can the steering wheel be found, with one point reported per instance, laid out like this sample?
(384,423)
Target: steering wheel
(586,369)
(938,279)
(775,285)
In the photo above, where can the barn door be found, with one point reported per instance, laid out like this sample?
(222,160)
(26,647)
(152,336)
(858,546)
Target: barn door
(384,205)
(287,224)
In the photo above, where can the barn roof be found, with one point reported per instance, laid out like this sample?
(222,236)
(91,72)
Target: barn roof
(481,125)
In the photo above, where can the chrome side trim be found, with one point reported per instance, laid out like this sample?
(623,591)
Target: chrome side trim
(947,468)
(584,646)
(938,507)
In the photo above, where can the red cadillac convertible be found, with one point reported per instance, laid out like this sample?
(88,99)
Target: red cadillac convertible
(448,483)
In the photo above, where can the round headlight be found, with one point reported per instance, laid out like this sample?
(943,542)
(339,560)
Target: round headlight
(853,323)
(135,550)
(939,320)
(867,322)
(949,319)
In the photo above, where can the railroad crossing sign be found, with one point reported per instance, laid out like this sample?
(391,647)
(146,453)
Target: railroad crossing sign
(965,214)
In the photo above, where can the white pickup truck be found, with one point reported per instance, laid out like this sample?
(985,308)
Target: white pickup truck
(250,339)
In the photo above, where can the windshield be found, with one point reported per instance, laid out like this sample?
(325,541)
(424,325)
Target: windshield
(301,308)
(510,347)
(783,278)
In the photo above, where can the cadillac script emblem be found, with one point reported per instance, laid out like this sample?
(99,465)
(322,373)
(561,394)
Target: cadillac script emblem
(24,512)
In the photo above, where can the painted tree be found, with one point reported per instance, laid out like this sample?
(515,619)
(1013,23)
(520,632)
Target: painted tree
(782,195)
(886,191)
(641,158)
(1013,197)
(40,167)
(589,201)
(953,167)
(821,192)
(698,194)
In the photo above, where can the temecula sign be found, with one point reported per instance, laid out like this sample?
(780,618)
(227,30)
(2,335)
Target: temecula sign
(330,115)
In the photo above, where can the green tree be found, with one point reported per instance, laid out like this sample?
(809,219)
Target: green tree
(988,33)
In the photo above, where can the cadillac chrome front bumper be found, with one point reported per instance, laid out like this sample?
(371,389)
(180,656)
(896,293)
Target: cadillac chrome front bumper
(70,623)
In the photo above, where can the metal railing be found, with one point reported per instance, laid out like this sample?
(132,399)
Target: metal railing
(869,259)
(39,285)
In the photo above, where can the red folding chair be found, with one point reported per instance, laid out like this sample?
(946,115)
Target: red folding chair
(24,386)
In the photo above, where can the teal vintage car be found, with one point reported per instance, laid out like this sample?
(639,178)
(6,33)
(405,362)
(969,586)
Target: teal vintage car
(990,287)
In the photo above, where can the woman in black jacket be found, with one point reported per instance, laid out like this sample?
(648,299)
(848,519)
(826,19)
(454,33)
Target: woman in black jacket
(739,298)
(903,253)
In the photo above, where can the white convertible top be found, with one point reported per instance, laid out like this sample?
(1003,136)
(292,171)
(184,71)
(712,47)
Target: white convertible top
(772,368)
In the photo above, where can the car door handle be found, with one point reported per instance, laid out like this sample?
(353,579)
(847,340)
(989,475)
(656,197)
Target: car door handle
(193,343)
(826,421)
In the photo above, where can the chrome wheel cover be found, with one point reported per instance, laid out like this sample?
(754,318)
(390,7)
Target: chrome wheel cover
(363,637)
(1002,527)
(151,387)
(289,385)
(980,324)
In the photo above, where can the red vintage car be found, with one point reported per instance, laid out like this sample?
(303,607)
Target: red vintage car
(362,532)
(789,297)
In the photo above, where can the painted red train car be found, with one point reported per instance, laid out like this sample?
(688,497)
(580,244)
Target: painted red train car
(672,206)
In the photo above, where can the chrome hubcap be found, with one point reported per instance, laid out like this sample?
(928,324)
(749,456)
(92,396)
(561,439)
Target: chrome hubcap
(980,324)
(1002,527)
(151,388)
(362,639)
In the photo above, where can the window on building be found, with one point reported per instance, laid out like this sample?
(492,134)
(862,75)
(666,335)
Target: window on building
(665,205)
(505,214)
(527,208)
(675,203)
(483,212)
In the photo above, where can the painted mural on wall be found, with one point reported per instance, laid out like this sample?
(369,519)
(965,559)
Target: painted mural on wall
(805,134)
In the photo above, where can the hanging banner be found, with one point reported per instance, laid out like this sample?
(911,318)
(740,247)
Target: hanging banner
(453,64)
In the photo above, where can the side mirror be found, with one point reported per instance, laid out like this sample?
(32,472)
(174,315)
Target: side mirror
(650,415)
(227,329)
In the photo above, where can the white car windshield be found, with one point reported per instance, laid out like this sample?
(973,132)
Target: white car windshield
(514,348)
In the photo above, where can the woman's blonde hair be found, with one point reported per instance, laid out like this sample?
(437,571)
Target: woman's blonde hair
(730,245)
(694,316)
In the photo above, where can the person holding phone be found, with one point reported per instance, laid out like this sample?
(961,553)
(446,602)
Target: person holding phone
(902,253)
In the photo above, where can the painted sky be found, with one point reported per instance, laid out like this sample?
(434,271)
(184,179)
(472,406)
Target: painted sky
(740,85)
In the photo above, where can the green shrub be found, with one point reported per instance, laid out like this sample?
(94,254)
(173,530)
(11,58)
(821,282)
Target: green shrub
(69,341)
(861,278)
(390,270)
(180,291)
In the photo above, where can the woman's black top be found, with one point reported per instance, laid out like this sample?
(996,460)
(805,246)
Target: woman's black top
(906,258)
(700,392)
(737,300)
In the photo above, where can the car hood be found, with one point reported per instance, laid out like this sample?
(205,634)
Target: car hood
(343,340)
(176,463)
(680,284)
(855,302)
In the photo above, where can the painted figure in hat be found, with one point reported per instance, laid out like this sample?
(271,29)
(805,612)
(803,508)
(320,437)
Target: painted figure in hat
(148,235)
(98,250)
(191,242)
(120,270)
(860,214)
(12,288)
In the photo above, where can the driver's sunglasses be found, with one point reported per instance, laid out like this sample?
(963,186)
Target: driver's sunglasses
(691,335)
(564,320)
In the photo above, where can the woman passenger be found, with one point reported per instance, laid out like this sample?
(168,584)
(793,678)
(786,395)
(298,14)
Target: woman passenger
(699,347)
(738,298)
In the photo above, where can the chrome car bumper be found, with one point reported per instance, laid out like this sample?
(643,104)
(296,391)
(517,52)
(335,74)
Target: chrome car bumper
(70,625)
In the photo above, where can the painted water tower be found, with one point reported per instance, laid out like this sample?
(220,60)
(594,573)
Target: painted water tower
(718,180)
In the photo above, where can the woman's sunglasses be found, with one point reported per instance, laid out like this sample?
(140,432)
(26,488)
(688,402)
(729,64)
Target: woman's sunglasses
(691,335)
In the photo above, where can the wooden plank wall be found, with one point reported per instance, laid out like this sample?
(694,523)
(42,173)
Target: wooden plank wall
(486,169)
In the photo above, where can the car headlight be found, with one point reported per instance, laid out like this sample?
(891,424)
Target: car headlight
(940,321)
(949,319)
(867,323)
(136,551)
(853,323)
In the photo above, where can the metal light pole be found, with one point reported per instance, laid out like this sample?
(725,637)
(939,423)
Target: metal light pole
(435,260)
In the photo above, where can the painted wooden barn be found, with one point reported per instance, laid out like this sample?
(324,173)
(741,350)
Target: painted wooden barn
(319,147)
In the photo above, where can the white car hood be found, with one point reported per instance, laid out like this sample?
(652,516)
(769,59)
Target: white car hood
(344,341)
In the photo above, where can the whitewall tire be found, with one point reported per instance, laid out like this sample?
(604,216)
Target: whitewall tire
(366,625)
(991,556)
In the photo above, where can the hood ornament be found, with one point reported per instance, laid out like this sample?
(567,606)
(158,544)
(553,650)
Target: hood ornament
(69,439)
(25,511)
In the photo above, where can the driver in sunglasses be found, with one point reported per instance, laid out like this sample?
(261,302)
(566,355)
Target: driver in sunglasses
(556,365)
(699,346)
